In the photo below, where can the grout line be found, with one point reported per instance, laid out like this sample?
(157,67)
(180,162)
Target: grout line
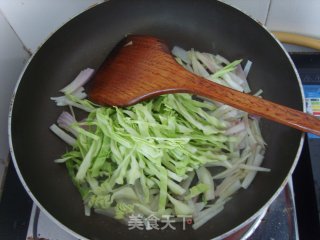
(268,12)
(23,46)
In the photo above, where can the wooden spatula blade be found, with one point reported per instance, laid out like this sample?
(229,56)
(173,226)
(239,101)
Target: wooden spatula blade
(133,72)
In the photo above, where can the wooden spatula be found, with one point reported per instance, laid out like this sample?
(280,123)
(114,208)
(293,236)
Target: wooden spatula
(141,67)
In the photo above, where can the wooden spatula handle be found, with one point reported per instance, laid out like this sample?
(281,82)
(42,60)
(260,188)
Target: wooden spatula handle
(143,68)
(258,106)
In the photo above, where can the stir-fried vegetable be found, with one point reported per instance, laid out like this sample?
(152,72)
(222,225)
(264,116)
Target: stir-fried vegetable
(176,154)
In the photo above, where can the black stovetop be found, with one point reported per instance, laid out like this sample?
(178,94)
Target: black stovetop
(306,177)
(16,205)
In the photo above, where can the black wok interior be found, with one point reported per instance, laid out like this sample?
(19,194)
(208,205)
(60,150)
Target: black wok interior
(86,40)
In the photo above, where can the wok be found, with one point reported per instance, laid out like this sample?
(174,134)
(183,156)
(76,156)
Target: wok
(85,41)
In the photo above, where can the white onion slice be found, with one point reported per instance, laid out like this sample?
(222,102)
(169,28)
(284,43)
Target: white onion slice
(181,53)
(82,78)
(63,135)
(247,68)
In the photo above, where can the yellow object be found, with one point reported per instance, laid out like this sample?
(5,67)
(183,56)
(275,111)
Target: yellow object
(298,39)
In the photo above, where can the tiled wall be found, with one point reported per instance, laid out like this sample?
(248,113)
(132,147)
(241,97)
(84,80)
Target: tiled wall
(35,20)
(25,24)
(12,59)
(297,16)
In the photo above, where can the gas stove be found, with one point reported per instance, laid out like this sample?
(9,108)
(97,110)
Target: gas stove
(293,215)
(21,219)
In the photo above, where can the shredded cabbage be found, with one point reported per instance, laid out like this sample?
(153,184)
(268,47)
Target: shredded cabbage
(143,158)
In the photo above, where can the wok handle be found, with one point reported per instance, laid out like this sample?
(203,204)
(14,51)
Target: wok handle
(258,106)
(297,39)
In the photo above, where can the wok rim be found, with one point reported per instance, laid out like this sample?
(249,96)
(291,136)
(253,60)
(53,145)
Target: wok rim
(222,236)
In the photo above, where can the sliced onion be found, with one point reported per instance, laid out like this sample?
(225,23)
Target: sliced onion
(207,62)
(254,168)
(63,135)
(181,53)
(221,59)
(247,68)
(233,84)
(65,120)
(236,129)
(82,78)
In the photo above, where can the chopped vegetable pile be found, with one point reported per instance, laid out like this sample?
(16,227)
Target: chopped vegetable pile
(178,154)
